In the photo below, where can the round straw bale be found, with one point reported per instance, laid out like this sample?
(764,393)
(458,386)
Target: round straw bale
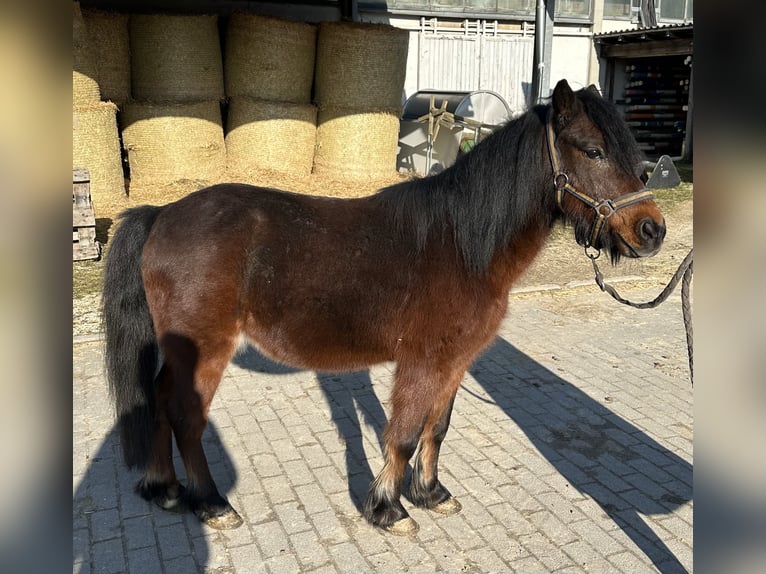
(168,142)
(84,74)
(360,65)
(354,143)
(277,136)
(96,147)
(108,33)
(175,58)
(269,58)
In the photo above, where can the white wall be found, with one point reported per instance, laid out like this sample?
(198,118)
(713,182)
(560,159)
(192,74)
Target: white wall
(570,59)
(505,69)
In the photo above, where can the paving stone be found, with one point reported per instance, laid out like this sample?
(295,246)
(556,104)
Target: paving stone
(348,558)
(144,560)
(271,538)
(309,550)
(173,542)
(108,556)
(247,559)
(283,564)
(293,517)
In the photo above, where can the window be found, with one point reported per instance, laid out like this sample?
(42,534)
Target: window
(480,5)
(671,10)
(617,9)
(578,9)
(516,5)
(675,10)
(573,8)
(409,4)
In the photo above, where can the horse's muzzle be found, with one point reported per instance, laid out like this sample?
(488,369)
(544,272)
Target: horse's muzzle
(651,234)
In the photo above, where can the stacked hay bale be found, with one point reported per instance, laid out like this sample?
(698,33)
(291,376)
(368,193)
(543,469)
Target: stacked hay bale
(358,87)
(96,147)
(269,70)
(172,128)
(108,35)
(95,139)
(171,142)
(84,75)
(278,136)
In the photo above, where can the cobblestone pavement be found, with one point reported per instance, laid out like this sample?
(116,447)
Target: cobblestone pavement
(570,450)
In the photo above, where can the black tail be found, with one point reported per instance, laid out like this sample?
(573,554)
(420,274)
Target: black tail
(131,345)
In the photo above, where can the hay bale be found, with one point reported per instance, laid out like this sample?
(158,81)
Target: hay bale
(169,142)
(360,65)
(96,146)
(277,136)
(108,33)
(84,74)
(354,143)
(175,58)
(269,58)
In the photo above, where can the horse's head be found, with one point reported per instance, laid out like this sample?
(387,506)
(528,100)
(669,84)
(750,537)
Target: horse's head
(597,168)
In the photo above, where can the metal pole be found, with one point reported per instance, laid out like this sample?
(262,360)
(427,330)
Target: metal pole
(688,138)
(541,74)
(537,61)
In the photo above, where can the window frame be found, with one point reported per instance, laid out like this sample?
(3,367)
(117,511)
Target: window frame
(427,9)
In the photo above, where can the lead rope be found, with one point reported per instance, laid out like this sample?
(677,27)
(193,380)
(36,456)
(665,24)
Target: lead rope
(685,270)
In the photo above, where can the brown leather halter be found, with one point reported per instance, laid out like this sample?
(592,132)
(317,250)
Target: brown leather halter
(604,208)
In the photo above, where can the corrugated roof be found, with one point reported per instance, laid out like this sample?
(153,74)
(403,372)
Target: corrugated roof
(658,32)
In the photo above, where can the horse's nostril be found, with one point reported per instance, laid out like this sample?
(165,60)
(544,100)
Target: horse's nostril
(650,230)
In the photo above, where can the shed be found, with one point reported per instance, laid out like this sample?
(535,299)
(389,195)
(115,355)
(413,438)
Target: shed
(647,72)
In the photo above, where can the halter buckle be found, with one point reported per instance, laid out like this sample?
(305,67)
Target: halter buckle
(610,209)
(560,180)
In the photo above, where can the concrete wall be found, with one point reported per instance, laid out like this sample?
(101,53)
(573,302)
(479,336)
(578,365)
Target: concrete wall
(570,58)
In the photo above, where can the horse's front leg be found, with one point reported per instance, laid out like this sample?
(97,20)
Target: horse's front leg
(426,491)
(410,407)
(422,405)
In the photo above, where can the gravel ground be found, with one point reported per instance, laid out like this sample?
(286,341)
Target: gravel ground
(86,316)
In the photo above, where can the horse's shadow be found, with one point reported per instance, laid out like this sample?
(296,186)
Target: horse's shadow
(105,499)
(589,445)
(348,395)
(598,452)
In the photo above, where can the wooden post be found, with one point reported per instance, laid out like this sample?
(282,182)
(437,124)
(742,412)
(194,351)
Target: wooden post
(84,244)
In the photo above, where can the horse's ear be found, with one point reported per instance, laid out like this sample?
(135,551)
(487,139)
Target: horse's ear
(565,102)
(594,90)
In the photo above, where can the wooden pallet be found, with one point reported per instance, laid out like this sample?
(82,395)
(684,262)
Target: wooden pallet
(84,244)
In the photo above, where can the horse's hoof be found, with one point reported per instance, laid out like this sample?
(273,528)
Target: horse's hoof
(448,507)
(175,504)
(228,520)
(404,527)
(168,497)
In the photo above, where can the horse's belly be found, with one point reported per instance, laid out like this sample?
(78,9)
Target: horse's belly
(314,348)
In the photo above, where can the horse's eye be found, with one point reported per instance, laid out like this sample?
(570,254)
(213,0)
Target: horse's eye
(594,153)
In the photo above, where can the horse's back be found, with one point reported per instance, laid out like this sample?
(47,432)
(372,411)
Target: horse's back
(306,278)
(240,218)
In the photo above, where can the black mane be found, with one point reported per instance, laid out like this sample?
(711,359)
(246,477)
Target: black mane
(498,190)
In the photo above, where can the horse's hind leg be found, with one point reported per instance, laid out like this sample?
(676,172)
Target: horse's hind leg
(426,491)
(159,483)
(195,384)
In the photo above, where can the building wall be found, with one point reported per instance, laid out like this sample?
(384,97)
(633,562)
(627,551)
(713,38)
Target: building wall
(570,58)
(507,69)
(502,64)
